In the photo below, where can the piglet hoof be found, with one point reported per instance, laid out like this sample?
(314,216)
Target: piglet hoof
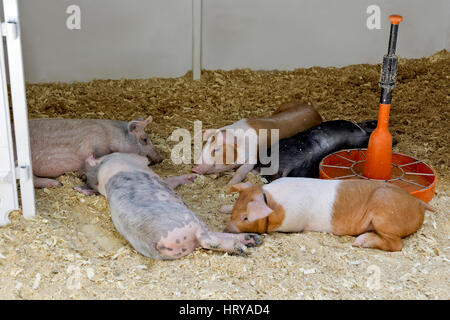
(252,240)
(239,251)
(361,241)
(85,190)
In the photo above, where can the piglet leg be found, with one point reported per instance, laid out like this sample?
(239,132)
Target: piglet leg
(84,189)
(374,240)
(241,173)
(176,181)
(233,243)
(180,242)
(45,182)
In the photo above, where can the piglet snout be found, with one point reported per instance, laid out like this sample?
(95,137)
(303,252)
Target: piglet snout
(155,157)
(195,169)
(200,169)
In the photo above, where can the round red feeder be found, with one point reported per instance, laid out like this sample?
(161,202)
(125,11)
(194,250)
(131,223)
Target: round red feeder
(411,174)
(378,162)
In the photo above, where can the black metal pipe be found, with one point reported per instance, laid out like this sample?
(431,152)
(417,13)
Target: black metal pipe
(393,39)
(389,68)
(386,96)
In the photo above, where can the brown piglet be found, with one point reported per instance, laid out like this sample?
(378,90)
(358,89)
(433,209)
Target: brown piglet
(380,214)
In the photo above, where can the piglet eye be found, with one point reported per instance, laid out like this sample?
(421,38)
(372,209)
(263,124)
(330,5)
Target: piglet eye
(144,140)
(213,153)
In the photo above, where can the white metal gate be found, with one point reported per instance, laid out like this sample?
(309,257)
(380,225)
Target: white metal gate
(9,171)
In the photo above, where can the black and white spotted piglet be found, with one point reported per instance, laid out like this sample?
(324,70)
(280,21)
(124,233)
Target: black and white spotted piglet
(150,215)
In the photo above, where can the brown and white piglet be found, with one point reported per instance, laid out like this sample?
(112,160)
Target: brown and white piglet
(150,215)
(379,213)
(62,145)
(289,119)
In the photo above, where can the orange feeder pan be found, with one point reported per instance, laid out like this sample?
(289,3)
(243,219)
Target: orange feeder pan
(410,174)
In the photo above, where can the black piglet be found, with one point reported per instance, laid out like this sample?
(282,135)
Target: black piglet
(301,154)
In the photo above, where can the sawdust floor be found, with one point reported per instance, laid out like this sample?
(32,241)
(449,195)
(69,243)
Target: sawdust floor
(71,249)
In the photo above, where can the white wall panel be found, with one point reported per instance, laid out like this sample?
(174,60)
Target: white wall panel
(153,38)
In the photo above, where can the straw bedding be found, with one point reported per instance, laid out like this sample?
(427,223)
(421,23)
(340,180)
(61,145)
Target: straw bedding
(71,249)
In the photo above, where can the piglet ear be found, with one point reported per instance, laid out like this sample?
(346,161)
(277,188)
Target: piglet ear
(91,161)
(206,133)
(136,126)
(147,121)
(239,187)
(227,137)
(257,209)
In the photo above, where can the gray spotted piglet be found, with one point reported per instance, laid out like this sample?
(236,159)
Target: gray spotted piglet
(150,215)
(61,145)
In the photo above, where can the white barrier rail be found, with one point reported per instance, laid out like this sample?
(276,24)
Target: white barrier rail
(9,172)
(196,39)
